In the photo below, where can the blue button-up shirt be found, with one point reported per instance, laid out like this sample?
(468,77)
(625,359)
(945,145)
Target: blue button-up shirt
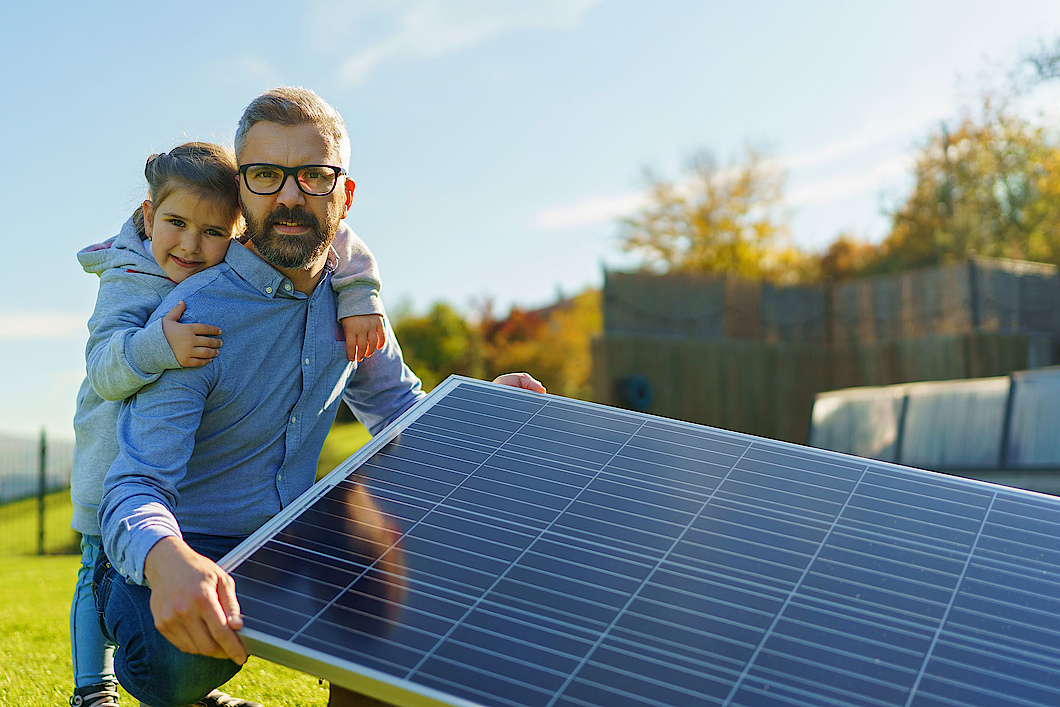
(220,449)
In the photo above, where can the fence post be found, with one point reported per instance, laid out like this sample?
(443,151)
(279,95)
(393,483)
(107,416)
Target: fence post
(973,292)
(40,492)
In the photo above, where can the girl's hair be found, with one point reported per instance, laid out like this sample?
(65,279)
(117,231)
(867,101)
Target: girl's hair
(209,171)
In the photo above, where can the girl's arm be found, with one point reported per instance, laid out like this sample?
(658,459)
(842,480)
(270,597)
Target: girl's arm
(123,355)
(356,282)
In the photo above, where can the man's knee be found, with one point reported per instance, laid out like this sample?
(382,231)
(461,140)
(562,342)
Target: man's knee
(151,668)
(174,681)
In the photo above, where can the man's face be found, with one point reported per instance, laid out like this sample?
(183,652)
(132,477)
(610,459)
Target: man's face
(291,229)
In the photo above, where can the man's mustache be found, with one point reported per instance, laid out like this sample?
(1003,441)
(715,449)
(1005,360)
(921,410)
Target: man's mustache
(297,216)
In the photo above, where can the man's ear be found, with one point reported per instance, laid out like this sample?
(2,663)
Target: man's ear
(348,186)
(149,217)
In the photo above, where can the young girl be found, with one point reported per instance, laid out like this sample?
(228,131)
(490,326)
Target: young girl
(185,226)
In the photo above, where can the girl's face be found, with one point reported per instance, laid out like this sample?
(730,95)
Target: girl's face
(188,233)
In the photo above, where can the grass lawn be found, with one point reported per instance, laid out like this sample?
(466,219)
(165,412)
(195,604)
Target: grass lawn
(35,593)
(19,526)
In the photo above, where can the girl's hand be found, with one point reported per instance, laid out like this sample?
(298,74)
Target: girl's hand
(193,344)
(365,334)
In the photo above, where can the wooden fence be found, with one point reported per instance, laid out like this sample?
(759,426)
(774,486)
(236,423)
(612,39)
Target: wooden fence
(768,389)
(750,357)
(982,294)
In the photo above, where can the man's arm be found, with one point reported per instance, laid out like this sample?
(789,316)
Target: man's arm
(192,599)
(521,380)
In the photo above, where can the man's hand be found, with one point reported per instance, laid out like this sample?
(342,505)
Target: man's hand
(365,334)
(520,380)
(193,344)
(193,601)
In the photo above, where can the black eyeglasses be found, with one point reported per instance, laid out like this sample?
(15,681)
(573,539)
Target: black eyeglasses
(312,179)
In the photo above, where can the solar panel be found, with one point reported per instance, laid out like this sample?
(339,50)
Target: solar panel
(501,548)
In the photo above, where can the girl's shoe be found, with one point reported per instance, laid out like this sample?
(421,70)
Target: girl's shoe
(102,694)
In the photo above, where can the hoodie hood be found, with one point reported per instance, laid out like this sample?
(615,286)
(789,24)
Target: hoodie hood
(124,250)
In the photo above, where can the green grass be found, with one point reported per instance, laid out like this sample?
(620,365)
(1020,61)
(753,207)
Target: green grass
(19,526)
(341,442)
(35,593)
(35,651)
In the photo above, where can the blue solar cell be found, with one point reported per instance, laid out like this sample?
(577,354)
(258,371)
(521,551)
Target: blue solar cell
(507,549)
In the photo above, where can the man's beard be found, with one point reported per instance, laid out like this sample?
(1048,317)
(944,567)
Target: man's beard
(290,252)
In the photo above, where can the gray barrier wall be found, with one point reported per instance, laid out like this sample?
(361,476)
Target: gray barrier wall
(1002,429)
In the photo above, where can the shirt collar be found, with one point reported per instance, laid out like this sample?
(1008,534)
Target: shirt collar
(262,276)
(259,274)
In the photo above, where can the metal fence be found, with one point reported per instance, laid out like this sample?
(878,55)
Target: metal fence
(34,495)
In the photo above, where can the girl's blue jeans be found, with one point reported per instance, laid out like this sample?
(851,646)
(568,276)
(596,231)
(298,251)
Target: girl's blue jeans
(92,654)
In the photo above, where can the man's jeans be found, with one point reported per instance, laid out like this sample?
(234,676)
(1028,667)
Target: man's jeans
(151,668)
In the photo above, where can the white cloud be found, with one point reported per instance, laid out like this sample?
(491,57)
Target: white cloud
(845,185)
(909,124)
(600,208)
(422,29)
(594,209)
(597,209)
(41,326)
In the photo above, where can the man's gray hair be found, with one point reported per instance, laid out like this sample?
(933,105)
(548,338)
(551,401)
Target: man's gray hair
(294,105)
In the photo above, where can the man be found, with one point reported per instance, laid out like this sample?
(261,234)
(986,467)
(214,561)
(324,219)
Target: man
(209,454)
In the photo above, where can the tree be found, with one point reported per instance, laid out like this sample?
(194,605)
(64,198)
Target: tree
(553,344)
(440,343)
(846,258)
(989,186)
(721,221)
(1045,61)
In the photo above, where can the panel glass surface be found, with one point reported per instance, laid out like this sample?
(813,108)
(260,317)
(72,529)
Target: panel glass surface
(518,550)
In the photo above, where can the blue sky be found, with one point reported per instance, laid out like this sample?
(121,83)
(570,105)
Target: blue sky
(494,143)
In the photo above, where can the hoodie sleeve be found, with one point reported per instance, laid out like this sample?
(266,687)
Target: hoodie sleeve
(356,279)
(123,355)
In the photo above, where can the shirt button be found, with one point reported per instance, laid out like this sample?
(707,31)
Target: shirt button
(293,419)
(287,286)
(269,290)
(307,362)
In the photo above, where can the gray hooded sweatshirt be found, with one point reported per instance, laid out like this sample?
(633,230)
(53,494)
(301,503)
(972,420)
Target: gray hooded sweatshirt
(123,355)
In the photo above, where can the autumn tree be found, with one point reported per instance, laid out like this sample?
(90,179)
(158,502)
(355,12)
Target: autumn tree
(553,343)
(440,343)
(988,185)
(716,220)
(846,258)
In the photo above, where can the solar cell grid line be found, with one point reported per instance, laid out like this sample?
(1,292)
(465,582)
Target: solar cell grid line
(499,548)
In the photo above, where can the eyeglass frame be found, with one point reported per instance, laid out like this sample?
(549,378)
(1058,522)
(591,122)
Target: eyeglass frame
(290,172)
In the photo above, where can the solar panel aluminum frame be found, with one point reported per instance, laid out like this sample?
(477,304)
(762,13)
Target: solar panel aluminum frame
(406,692)
(350,675)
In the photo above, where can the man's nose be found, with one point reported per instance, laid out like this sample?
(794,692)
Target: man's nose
(290,195)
